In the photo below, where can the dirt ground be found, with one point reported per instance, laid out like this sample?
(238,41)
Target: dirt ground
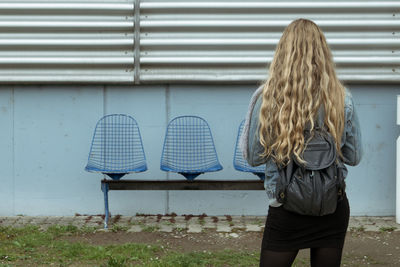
(361,248)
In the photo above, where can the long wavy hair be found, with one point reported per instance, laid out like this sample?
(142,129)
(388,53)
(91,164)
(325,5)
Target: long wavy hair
(301,78)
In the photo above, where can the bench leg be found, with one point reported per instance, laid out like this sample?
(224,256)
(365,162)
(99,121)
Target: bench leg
(104,188)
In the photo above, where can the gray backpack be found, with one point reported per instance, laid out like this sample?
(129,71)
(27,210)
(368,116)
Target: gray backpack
(313,188)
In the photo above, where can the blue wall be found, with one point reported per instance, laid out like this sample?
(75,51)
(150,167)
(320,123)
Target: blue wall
(47,130)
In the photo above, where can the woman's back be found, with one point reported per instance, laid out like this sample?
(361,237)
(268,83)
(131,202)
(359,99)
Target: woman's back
(351,148)
(301,82)
(301,79)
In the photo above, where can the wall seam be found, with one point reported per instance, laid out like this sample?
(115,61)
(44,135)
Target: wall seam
(136,36)
(13,148)
(167,118)
(104,100)
(104,110)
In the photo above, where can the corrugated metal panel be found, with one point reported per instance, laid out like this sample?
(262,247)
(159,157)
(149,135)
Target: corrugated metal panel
(233,41)
(67,41)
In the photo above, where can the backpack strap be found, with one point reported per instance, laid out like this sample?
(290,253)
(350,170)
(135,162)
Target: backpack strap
(319,121)
(321,116)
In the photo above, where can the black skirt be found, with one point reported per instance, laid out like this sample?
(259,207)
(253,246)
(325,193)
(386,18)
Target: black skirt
(286,231)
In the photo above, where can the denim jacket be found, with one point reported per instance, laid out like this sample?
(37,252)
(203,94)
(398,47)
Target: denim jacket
(350,146)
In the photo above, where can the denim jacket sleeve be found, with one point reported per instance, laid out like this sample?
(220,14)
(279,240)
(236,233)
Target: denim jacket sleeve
(255,149)
(254,146)
(254,159)
(351,139)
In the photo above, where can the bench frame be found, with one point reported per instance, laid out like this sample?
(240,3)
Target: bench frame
(107,185)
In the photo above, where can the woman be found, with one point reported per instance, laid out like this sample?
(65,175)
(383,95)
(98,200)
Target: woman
(302,82)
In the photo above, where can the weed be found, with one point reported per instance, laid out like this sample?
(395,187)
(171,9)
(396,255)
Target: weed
(116,228)
(58,230)
(258,222)
(387,229)
(169,223)
(150,228)
(180,229)
(116,261)
(136,223)
(238,230)
(201,221)
(357,229)
(87,229)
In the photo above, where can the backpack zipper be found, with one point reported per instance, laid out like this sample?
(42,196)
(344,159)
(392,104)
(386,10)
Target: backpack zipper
(323,197)
(313,191)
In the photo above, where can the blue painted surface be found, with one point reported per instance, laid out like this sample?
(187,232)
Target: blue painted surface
(52,127)
(47,130)
(6,151)
(372,184)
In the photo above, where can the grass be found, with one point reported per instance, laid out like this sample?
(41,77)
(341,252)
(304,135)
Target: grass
(203,259)
(30,246)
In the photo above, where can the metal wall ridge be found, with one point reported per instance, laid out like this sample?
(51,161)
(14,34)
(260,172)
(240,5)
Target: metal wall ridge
(262,60)
(67,60)
(348,42)
(62,78)
(255,78)
(68,24)
(288,5)
(366,24)
(89,42)
(66,6)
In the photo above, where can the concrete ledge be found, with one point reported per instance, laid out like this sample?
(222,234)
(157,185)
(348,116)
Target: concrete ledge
(193,224)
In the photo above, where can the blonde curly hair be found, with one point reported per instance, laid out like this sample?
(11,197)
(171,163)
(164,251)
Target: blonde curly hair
(301,78)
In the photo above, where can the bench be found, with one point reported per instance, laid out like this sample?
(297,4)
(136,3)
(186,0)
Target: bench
(188,149)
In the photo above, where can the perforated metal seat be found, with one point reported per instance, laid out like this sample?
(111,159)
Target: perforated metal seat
(240,164)
(117,147)
(189,148)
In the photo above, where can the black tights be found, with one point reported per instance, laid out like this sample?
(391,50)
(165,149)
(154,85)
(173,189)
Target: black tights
(320,257)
